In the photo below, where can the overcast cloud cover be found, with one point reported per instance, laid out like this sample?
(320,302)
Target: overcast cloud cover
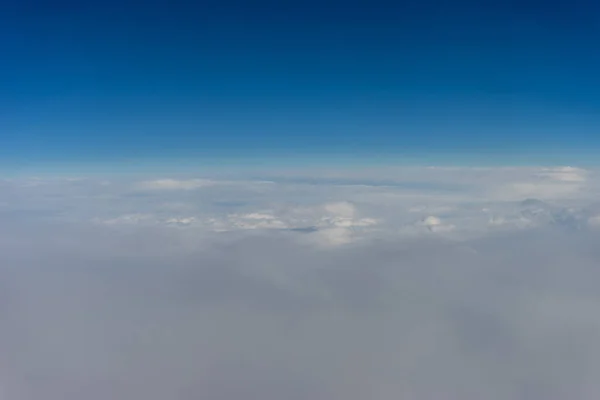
(404,283)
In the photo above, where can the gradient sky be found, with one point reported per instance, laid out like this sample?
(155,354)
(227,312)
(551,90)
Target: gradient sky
(106,81)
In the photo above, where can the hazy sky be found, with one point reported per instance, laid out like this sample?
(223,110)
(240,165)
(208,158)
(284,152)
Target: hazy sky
(107,81)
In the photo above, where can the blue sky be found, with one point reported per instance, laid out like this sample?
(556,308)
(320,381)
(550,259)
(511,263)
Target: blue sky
(447,82)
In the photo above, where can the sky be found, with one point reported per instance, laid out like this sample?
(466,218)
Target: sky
(101,83)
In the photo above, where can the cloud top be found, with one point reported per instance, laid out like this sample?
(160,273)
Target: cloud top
(174,184)
(239,289)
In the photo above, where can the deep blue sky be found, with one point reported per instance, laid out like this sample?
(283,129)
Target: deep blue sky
(103,81)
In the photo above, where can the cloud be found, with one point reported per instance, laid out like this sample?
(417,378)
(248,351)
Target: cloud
(150,315)
(173,184)
(341,209)
(256,220)
(564,174)
(543,190)
(543,183)
(127,219)
(333,207)
(435,224)
(594,221)
(416,283)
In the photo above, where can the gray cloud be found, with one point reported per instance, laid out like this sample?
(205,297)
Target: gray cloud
(95,313)
(342,287)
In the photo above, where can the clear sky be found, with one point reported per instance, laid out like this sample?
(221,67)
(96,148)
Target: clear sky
(107,81)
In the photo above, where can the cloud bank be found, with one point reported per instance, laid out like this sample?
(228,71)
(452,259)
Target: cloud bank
(300,290)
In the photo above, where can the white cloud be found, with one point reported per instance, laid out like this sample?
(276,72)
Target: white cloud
(542,190)
(181,221)
(564,174)
(415,283)
(256,220)
(543,183)
(173,184)
(366,203)
(435,224)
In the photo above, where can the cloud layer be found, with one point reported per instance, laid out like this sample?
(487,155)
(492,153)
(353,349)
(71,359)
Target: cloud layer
(296,290)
